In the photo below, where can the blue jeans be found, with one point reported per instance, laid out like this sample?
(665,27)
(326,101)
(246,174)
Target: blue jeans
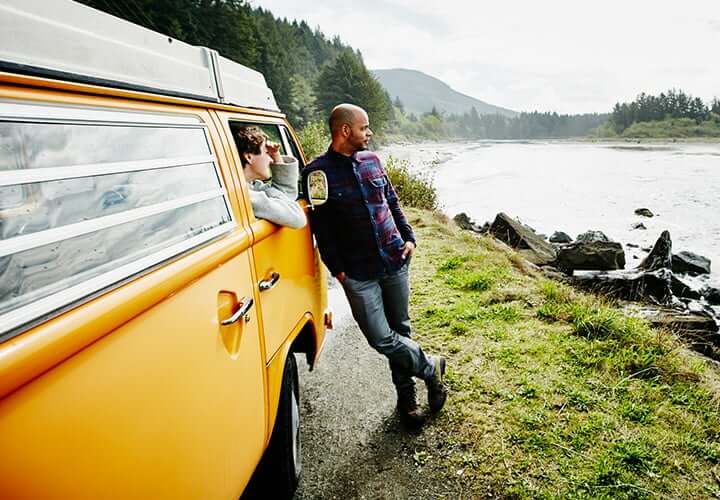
(380,307)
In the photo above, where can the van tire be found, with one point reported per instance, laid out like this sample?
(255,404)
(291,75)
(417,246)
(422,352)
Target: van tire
(278,473)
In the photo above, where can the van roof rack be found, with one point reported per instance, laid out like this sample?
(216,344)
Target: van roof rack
(67,40)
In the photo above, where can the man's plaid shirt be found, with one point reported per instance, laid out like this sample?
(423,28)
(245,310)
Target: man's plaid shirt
(361,229)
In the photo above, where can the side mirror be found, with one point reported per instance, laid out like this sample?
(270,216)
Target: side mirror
(317,188)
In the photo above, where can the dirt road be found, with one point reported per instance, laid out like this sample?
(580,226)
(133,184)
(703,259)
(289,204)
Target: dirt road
(354,446)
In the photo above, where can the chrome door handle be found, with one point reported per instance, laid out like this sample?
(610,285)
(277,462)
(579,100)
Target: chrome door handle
(269,283)
(245,306)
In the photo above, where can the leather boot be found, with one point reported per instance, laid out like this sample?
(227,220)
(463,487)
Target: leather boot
(437,392)
(407,406)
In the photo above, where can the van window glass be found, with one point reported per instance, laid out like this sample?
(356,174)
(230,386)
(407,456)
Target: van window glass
(84,207)
(39,272)
(42,145)
(80,199)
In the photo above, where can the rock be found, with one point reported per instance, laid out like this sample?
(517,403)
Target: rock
(690,263)
(646,249)
(560,237)
(681,289)
(644,212)
(523,239)
(593,256)
(639,225)
(712,295)
(464,222)
(699,329)
(653,286)
(590,236)
(660,256)
(632,245)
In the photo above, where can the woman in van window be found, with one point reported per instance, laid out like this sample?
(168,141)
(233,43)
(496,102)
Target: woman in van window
(261,160)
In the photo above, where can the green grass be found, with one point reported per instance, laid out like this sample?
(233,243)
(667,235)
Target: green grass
(555,393)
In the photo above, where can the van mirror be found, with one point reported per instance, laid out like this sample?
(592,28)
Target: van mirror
(317,188)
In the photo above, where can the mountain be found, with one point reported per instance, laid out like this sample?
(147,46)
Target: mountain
(420,92)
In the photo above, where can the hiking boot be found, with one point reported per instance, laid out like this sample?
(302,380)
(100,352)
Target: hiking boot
(437,393)
(407,406)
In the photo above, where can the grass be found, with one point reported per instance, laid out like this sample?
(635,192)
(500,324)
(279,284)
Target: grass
(555,393)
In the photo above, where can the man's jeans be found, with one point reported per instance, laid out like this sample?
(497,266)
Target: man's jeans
(380,307)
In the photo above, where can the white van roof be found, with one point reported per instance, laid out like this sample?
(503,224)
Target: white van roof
(67,40)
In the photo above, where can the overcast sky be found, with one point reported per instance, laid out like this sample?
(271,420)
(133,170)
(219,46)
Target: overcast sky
(553,55)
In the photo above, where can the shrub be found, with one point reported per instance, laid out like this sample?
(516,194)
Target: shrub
(314,139)
(414,190)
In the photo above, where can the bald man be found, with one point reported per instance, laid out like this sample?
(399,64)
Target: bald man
(367,244)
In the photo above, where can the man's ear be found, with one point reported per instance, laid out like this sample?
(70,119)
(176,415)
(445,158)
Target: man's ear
(247,157)
(346,130)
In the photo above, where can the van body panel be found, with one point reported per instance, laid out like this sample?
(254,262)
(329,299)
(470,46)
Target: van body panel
(157,409)
(138,391)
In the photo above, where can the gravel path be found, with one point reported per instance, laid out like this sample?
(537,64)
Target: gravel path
(354,446)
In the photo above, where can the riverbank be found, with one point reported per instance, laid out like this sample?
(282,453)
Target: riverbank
(554,393)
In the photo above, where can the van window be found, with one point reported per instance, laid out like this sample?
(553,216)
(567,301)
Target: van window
(278,134)
(87,205)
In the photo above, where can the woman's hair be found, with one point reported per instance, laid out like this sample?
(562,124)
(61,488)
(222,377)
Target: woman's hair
(249,140)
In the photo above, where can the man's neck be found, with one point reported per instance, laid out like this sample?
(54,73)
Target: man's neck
(343,149)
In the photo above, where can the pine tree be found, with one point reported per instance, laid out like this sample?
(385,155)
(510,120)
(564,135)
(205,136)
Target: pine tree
(347,80)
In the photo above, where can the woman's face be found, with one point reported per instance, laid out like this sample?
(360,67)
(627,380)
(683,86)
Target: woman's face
(258,165)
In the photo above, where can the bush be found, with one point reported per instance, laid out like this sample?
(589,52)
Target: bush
(314,139)
(414,190)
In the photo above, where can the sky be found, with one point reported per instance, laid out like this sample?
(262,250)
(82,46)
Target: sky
(552,55)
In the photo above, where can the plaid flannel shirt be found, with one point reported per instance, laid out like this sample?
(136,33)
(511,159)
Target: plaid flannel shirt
(361,229)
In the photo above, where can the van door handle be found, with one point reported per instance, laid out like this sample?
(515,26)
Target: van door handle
(269,283)
(245,306)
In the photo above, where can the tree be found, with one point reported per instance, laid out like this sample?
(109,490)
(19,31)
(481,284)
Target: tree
(347,80)
(302,108)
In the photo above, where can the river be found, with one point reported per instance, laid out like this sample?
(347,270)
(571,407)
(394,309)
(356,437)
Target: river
(577,186)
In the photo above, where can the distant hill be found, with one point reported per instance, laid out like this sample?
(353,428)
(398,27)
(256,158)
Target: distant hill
(420,92)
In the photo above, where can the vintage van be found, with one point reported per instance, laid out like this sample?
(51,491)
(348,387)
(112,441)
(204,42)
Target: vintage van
(148,321)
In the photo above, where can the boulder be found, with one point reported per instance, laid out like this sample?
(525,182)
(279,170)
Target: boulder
(681,289)
(560,237)
(523,239)
(464,222)
(590,236)
(639,225)
(592,256)
(653,286)
(712,295)
(690,263)
(644,212)
(660,256)
(699,329)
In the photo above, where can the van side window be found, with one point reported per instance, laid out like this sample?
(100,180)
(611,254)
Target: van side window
(85,205)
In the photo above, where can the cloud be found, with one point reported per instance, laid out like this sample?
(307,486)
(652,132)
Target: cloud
(559,55)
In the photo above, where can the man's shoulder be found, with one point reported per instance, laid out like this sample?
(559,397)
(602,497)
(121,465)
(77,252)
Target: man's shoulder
(318,163)
(367,156)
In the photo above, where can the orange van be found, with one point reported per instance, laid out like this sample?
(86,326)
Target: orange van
(148,321)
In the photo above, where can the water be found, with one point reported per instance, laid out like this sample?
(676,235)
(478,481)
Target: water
(577,186)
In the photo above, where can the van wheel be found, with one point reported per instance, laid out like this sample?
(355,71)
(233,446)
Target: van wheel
(278,473)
